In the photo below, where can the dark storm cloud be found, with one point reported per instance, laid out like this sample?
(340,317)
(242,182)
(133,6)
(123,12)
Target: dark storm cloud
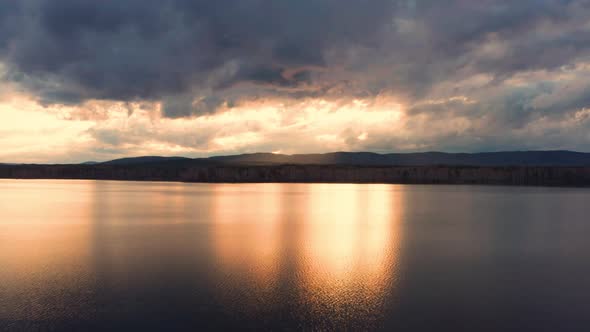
(70,50)
(196,55)
(443,41)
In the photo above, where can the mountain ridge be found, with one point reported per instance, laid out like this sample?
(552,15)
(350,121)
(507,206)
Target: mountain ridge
(531,168)
(500,158)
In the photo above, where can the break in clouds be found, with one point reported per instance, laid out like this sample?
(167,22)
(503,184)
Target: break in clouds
(468,75)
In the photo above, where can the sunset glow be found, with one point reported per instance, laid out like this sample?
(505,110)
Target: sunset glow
(294,165)
(393,76)
(107,130)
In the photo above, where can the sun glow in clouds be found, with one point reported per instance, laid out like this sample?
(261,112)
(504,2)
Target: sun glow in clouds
(30,134)
(330,124)
(375,77)
(102,130)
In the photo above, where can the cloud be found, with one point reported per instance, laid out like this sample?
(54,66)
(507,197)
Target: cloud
(465,75)
(69,51)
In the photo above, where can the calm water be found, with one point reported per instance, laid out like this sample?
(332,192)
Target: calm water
(84,255)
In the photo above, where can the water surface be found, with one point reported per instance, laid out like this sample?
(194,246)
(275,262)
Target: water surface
(98,255)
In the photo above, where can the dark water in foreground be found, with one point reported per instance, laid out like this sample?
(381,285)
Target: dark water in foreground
(85,255)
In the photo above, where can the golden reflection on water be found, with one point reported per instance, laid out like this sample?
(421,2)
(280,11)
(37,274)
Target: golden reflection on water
(351,237)
(318,249)
(44,246)
(246,238)
(337,243)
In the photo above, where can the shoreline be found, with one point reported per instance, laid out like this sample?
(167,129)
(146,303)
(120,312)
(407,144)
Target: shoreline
(546,176)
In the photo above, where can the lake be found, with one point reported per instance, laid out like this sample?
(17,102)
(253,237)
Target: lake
(102,255)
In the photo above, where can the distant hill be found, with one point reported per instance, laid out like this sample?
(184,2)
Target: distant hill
(514,158)
(534,168)
(143,160)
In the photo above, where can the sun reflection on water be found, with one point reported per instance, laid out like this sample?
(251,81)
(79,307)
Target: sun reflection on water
(336,245)
(259,250)
(246,239)
(350,244)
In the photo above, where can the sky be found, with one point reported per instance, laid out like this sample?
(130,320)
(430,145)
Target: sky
(84,80)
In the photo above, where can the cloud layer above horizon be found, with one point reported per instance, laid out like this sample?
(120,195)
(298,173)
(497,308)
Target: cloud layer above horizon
(85,79)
